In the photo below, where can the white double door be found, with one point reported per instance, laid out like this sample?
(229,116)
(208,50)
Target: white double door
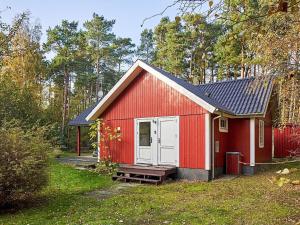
(157,141)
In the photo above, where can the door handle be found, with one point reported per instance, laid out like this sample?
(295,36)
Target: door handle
(158,140)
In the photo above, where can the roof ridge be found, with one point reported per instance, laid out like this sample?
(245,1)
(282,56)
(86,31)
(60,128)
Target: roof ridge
(227,81)
(211,83)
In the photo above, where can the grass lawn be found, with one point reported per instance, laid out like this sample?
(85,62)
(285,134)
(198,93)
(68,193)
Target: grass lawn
(245,200)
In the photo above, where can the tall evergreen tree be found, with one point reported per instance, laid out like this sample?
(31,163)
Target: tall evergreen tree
(63,41)
(123,50)
(145,50)
(99,37)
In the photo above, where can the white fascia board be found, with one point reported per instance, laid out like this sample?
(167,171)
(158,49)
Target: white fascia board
(114,92)
(130,76)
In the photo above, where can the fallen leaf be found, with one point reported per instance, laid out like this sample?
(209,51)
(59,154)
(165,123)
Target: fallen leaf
(296,182)
(285,171)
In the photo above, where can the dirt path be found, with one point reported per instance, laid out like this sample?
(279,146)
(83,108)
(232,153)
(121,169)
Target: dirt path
(116,189)
(78,160)
(86,163)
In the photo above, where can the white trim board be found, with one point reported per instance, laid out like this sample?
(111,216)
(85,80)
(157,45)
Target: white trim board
(207,141)
(252,142)
(129,76)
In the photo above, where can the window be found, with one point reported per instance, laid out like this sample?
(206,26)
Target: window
(223,124)
(145,134)
(261,133)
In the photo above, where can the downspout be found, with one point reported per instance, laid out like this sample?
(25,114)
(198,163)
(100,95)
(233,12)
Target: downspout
(213,147)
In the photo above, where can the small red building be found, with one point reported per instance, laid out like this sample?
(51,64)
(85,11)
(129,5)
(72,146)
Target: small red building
(286,141)
(165,120)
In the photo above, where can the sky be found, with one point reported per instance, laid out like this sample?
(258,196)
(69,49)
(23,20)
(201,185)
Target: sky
(129,14)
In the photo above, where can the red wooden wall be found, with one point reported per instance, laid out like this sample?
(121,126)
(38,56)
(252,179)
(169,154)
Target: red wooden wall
(236,140)
(286,140)
(147,96)
(264,154)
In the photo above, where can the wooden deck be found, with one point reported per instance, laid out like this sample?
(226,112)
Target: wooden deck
(144,173)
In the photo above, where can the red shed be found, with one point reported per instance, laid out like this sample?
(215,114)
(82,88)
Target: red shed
(286,141)
(165,120)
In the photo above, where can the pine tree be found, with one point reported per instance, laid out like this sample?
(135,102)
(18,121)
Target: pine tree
(63,40)
(145,50)
(98,32)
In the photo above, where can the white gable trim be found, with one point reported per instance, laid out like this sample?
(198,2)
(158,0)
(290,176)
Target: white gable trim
(252,142)
(129,76)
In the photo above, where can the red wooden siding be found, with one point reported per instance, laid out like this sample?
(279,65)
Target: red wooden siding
(240,138)
(264,154)
(147,96)
(236,140)
(223,139)
(119,150)
(192,141)
(285,140)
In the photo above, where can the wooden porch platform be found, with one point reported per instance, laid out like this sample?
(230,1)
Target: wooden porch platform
(144,173)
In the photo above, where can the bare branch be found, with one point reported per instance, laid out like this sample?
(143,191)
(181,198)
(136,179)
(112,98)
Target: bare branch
(161,13)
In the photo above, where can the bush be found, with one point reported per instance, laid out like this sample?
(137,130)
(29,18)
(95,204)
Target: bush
(23,162)
(56,153)
(106,167)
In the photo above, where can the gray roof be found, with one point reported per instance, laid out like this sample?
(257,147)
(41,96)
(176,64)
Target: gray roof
(241,97)
(249,96)
(80,119)
(194,89)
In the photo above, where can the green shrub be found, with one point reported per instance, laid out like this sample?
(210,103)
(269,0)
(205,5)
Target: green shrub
(23,162)
(105,167)
(56,153)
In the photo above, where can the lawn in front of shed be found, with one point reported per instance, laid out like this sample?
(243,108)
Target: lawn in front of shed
(244,200)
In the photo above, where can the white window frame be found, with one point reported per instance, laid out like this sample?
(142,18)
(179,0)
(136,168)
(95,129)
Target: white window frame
(261,133)
(223,129)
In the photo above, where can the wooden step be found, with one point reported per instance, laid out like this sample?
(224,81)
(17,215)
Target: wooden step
(144,173)
(153,170)
(141,173)
(125,178)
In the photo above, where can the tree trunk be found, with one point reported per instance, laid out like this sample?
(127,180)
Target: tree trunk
(228,72)
(246,72)
(242,63)
(65,102)
(235,72)
(97,79)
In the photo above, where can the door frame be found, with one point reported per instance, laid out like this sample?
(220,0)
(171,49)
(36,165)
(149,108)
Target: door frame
(155,138)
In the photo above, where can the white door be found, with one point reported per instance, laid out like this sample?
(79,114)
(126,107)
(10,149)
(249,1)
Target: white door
(145,146)
(168,141)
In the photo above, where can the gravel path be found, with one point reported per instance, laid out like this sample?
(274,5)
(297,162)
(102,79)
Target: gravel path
(114,190)
(79,161)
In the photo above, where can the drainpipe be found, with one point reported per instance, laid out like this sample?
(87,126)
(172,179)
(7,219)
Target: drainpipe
(213,147)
